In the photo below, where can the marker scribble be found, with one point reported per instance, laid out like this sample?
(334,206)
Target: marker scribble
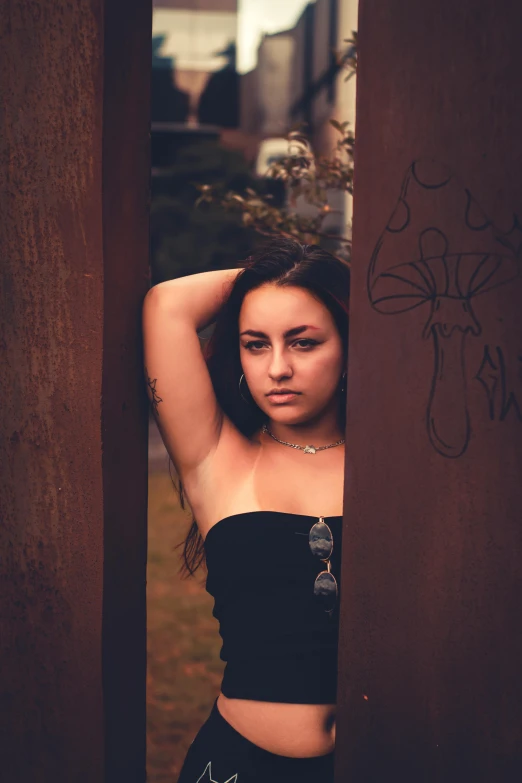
(445,265)
(498,384)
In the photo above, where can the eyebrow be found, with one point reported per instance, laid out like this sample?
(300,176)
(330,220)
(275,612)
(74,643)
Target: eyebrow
(288,333)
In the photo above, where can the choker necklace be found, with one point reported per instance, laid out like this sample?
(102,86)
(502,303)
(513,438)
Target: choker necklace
(306,449)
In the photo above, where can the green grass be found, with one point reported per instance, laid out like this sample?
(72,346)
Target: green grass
(184,671)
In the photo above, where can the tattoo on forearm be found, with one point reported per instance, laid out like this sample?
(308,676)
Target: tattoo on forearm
(151,383)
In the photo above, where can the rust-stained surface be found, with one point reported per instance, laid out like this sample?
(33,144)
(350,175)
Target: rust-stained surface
(430,685)
(57,321)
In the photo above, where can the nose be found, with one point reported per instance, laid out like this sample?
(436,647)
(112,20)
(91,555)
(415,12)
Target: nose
(279,366)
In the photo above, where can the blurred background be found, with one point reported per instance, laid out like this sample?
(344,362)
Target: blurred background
(231,79)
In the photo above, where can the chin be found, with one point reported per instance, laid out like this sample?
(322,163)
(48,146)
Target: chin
(289,417)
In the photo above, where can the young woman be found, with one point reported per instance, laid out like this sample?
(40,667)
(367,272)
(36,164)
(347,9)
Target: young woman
(254,426)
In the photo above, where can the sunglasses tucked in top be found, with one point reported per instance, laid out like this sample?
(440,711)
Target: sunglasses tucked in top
(320,540)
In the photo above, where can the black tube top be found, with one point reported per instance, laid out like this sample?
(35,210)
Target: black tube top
(279,643)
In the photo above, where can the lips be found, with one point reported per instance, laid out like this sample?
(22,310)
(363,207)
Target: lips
(280,398)
(281,391)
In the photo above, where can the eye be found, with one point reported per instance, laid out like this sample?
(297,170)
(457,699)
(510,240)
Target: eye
(306,340)
(250,345)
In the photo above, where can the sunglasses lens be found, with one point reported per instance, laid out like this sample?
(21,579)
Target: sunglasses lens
(321,541)
(325,588)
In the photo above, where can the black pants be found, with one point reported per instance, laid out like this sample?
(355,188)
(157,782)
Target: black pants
(220,754)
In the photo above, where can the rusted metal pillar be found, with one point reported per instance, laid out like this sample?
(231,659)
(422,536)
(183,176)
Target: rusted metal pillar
(74,170)
(430,682)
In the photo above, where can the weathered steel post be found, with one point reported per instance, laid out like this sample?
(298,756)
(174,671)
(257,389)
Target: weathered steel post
(431,639)
(74,173)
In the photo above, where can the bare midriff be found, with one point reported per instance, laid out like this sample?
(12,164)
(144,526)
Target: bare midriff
(297,730)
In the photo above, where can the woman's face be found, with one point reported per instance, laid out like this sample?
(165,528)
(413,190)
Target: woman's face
(309,362)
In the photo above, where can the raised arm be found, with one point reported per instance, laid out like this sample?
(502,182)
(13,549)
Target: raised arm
(178,382)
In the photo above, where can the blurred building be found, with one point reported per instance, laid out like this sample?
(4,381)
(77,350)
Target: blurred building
(299,80)
(199,38)
(323,92)
(298,77)
(267,91)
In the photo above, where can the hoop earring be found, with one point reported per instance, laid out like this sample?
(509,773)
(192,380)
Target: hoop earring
(343,376)
(240,392)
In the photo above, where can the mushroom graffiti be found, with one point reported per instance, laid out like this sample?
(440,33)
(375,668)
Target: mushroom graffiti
(445,265)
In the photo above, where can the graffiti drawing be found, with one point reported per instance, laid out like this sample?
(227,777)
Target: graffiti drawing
(494,376)
(438,267)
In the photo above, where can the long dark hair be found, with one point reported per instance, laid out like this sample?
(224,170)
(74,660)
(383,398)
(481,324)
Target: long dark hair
(284,262)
